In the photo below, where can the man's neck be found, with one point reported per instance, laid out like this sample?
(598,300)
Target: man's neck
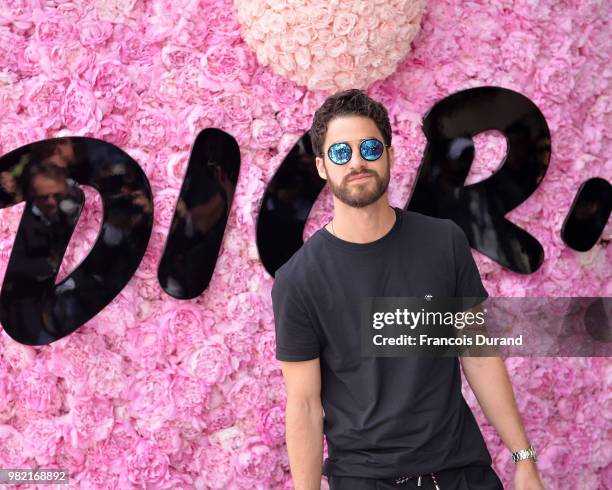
(362,225)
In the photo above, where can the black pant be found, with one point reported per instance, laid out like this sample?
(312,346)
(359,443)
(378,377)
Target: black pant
(466,478)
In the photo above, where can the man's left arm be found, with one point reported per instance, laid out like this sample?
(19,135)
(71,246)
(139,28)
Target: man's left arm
(488,378)
(487,374)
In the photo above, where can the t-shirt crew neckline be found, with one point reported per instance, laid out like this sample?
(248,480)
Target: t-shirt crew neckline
(373,246)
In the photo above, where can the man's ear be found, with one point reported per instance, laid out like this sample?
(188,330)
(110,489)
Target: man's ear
(391,157)
(320,167)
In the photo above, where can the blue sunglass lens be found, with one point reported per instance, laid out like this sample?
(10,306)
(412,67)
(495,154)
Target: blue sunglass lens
(339,153)
(371,149)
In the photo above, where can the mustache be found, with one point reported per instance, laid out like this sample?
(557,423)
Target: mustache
(365,172)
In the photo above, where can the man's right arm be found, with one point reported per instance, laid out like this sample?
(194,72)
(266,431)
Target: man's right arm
(298,350)
(304,422)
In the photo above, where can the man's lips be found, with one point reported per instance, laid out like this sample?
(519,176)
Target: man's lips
(360,176)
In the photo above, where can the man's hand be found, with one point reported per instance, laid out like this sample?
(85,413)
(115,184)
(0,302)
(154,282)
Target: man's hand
(526,476)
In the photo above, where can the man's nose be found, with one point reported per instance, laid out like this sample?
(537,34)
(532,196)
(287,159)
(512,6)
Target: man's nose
(357,162)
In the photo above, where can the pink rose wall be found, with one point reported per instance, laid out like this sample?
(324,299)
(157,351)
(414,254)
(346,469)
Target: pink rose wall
(160,393)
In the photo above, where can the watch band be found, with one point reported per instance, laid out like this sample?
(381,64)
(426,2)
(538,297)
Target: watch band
(521,454)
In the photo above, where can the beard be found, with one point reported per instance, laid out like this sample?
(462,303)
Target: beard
(360,194)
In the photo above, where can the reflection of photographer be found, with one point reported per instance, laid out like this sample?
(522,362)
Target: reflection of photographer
(54,209)
(195,237)
(127,206)
(52,194)
(53,203)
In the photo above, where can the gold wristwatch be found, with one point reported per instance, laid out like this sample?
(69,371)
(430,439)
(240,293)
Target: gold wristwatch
(521,454)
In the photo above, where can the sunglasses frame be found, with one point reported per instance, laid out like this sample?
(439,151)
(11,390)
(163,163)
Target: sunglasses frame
(361,142)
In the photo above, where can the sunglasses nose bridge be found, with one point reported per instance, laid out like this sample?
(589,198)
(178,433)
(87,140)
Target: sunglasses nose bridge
(356,159)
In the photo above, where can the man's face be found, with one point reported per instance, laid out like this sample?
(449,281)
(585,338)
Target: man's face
(47,194)
(341,179)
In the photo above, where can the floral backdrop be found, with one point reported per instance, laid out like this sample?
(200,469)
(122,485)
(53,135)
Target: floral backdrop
(160,393)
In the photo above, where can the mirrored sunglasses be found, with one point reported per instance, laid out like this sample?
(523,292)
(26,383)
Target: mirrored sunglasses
(370,149)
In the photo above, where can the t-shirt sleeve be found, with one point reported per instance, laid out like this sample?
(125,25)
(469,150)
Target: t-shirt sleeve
(468,283)
(296,339)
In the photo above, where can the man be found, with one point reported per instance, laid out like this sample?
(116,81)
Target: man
(389,421)
(45,231)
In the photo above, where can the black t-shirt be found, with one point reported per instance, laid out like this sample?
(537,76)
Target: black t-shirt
(384,417)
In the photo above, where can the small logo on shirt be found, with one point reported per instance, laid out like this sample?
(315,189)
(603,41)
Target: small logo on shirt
(428,297)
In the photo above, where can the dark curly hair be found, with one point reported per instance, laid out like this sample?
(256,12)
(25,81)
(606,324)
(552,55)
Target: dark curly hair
(348,102)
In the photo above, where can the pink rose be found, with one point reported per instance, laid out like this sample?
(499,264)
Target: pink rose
(41,439)
(37,390)
(219,417)
(114,128)
(225,68)
(555,459)
(177,57)
(321,18)
(79,109)
(266,133)
(345,62)
(336,47)
(237,108)
(69,58)
(146,274)
(111,85)
(117,317)
(16,133)
(363,9)
(189,394)
(12,443)
(120,442)
(183,316)
(149,398)
(222,23)
(96,474)
(146,464)
(555,79)
(323,37)
(271,426)
(213,471)
(303,57)
(11,92)
(10,43)
(91,421)
(303,35)
(343,23)
(276,90)
(287,62)
(200,116)
(292,122)
(67,456)
(94,33)
(273,22)
(19,13)
(53,29)
(229,439)
(106,376)
(152,127)
(246,394)
(18,356)
(254,461)
(209,360)
(357,39)
(114,10)
(133,46)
